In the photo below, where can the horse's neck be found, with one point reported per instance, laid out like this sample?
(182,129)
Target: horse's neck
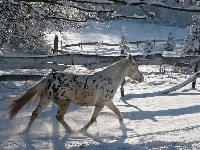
(117,72)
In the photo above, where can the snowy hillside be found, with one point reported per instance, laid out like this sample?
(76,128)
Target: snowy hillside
(152,120)
(112,32)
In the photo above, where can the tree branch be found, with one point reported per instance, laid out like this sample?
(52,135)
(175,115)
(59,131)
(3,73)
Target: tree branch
(140,3)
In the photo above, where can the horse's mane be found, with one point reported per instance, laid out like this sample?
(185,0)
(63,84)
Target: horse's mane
(117,64)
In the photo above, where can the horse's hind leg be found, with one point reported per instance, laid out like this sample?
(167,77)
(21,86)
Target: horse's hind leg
(112,107)
(44,102)
(96,112)
(62,108)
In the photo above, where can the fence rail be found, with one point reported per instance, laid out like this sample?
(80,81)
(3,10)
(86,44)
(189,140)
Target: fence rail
(61,62)
(20,77)
(114,44)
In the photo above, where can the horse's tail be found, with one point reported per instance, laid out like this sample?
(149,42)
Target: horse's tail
(17,104)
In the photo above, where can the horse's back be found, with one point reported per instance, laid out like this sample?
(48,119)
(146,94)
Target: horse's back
(87,90)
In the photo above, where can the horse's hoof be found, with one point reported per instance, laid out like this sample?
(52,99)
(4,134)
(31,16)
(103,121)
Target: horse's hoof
(82,130)
(69,131)
(23,132)
(121,122)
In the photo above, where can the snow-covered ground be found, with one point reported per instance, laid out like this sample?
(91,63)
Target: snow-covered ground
(111,33)
(152,120)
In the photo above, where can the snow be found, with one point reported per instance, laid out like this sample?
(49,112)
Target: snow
(152,120)
(66,4)
(111,32)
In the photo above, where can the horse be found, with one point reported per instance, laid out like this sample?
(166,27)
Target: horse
(97,89)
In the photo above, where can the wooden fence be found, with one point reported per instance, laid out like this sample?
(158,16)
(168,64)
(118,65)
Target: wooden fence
(81,44)
(62,62)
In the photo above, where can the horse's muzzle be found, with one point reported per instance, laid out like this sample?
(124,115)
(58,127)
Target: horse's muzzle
(141,78)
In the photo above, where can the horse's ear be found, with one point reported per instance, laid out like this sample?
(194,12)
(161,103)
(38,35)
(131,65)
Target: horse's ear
(130,57)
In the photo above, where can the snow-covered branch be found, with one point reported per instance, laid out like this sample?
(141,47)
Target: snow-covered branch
(34,18)
(194,8)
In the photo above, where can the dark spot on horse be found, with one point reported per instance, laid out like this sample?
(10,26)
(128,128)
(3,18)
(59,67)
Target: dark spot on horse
(50,93)
(63,93)
(59,79)
(56,96)
(55,89)
(54,76)
(74,78)
(85,83)
(48,84)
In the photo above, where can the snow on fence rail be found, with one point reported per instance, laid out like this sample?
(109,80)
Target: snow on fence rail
(114,44)
(62,62)
(20,77)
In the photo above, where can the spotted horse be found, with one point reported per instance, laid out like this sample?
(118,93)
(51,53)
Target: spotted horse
(97,90)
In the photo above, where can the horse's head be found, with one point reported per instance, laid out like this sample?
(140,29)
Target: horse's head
(134,73)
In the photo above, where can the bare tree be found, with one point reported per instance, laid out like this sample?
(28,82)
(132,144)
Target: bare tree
(24,24)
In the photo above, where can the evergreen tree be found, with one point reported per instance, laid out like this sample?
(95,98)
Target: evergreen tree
(170,44)
(98,46)
(192,45)
(148,46)
(123,44)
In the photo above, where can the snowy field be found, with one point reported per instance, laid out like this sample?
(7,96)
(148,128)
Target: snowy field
(152,120)
(112,32)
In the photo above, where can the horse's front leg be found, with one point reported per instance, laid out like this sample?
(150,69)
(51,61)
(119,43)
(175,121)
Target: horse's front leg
(62,108)
(96,112)
(44,102)
(112,107)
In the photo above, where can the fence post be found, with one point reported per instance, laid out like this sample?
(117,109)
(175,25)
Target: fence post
(61,45)
(122,85)
(195,70)
(55,49)
(122,88)
(54,108)
(122,51)
(137,43)
(81,46)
